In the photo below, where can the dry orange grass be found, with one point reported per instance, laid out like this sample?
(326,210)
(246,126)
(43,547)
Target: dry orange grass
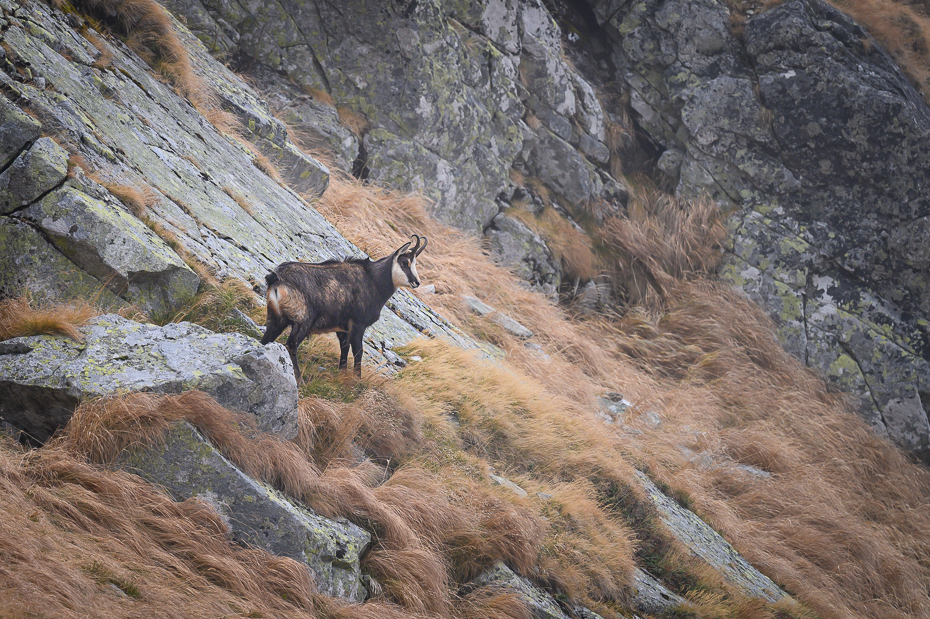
(354,121)
(842,524)
(659,243)
(21,317)
(75,536)
(571,246)
(419,525)
(137,199)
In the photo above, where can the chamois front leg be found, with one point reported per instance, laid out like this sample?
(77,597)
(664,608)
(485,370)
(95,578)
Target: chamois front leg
(343,348)
(355,338)
(299,332)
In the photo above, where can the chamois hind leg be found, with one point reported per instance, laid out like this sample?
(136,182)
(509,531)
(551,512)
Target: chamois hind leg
(355,339)
(343,349)
(299,332)
(274,326)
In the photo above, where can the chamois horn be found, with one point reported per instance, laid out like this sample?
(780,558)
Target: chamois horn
(417,250)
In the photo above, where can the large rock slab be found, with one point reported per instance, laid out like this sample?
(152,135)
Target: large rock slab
(651,596)
(540,604)
(521,250)
(188,466)
(35,172)
(17,130)
(705,543)
(43,378)
(29,262)
(116,248)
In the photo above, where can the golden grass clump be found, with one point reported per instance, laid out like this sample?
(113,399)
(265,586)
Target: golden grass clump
(660,242)
(354,121)
(137,199)
(147,29)
(215,305)
(20,317)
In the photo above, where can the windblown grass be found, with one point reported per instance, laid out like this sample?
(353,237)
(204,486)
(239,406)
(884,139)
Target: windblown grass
(419,524)
(72,532)
(21,317)
(841,524)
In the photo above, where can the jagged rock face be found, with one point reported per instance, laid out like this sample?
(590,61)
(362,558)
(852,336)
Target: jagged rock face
(443,89)
(77,240)
(807,132)
(119,355)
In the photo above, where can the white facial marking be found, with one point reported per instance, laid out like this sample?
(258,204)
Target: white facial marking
(398,275)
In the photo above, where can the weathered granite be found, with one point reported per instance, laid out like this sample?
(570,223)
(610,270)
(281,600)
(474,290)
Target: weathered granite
(814,142)
(540,604)
(705,543)
(114,247)
(44,378)
(35,172)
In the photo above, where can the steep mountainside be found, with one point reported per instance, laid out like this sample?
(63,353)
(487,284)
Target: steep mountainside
(783,122)
(579,415)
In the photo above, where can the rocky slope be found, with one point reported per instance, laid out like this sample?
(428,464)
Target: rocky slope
(464,102)
(784,124)
(83,120)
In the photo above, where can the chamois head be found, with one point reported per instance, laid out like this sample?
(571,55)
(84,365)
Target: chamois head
(404,269)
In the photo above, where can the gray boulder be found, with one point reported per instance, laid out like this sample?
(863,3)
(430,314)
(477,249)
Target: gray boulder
(44,378)
(29,262)
(188,466)
(515,246)
(540,604)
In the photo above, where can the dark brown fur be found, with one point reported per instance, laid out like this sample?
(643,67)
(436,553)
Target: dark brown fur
(344,297)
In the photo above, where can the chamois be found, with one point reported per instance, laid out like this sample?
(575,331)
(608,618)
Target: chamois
(345,296)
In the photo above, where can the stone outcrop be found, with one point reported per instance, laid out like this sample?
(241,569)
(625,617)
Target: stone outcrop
(789,129)
(79,240)
(44,378)
(647,596)
(188,466)
(707,544)
(445,98)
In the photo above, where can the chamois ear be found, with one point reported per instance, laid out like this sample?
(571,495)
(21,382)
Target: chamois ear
(402,249)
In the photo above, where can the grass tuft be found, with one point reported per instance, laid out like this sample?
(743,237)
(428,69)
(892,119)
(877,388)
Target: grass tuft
(21,317)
